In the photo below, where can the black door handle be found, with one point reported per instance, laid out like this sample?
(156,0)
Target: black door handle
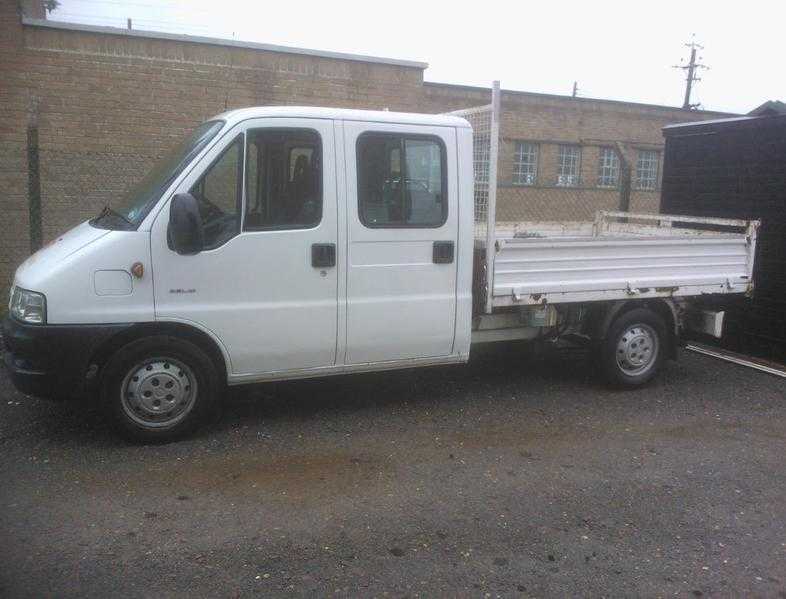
(443,252)
(323,255)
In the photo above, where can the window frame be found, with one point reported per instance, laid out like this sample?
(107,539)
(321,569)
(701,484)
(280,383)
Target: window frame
(577,182)
(287,226)
(601,167)
(443,168)
(239,200)
(516,163)
(656,174)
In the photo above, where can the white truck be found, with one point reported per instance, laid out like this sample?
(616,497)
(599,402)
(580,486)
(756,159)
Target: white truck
(280,243)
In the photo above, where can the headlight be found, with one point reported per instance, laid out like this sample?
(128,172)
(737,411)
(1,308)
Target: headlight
(27,306)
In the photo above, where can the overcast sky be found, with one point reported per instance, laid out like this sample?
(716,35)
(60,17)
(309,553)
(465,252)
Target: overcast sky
(615,50)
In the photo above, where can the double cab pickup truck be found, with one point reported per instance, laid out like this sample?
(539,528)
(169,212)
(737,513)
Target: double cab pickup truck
(283,242)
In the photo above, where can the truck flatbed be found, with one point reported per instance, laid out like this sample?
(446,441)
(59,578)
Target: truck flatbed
(620,255)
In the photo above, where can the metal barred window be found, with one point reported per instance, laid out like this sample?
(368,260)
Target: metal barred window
(608,168)
(525,164)
(647,169)
(568,161)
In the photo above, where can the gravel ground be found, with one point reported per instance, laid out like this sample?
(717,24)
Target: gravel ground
(514,476)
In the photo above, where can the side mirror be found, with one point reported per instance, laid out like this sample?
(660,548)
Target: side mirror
(185,234)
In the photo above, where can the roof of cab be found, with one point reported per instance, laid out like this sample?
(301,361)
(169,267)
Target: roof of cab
(310,112)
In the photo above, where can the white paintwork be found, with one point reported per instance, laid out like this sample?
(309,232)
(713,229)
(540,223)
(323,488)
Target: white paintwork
(643,257)
(466,242)
(258,293)
(113,282)
(385,304)
(400,304)
(64,272)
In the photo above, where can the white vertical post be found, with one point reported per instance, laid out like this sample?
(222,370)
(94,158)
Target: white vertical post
(491,211)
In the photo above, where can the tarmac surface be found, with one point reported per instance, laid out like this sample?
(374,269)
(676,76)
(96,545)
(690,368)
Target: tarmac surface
(517,475)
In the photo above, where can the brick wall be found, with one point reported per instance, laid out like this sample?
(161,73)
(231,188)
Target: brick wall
(15,105)
(107,105)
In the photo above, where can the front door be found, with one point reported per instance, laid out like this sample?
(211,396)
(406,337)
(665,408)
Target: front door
(403,225)
(265,283)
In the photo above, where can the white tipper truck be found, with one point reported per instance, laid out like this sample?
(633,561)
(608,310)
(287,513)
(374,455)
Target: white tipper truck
(283,242)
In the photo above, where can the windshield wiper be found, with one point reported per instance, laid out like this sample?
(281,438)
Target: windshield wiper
(109,211)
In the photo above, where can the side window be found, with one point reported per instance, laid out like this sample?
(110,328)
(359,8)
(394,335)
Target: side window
(647,170)
(218,194)
(401,181)
(283,179)
(568,166)
(525,165)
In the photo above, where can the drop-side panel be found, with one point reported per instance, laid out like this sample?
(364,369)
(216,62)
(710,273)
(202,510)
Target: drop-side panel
(612,265)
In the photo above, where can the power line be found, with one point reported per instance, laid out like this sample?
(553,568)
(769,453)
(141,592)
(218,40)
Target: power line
(690,72)
(139,4)
(117,19)
(116,6)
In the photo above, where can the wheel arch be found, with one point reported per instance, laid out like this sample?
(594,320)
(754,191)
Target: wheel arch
(203,339)
(664,308)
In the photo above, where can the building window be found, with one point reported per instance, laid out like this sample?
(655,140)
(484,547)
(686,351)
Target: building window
(647,170)
(525,165)
(608,168)
(568,161)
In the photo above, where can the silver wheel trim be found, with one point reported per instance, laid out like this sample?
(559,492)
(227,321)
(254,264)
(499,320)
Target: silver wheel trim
(159,392)
(637,349)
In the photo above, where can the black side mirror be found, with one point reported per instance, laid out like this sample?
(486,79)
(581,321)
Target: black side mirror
(185,234)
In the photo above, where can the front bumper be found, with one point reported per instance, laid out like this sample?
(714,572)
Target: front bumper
(52,361)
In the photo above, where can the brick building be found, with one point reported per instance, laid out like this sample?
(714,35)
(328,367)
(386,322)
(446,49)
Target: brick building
(85,111)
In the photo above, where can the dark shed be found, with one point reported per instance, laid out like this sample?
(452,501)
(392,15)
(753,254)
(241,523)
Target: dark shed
(736,168)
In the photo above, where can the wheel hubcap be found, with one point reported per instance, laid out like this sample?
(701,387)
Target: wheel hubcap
(637,349)
(158,392)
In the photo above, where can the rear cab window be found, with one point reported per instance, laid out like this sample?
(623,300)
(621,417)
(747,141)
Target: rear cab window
(401,180)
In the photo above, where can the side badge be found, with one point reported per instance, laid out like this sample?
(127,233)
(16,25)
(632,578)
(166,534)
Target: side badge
(138,269)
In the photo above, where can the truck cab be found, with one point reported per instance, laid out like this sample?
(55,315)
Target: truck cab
(278,242)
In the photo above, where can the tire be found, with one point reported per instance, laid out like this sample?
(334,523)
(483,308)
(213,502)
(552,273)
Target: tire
(634,348)
(159,388)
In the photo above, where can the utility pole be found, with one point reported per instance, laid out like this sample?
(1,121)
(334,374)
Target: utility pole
(575,89)
(690,72)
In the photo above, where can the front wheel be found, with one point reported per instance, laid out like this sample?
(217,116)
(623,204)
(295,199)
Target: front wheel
(634,348)
(159,388)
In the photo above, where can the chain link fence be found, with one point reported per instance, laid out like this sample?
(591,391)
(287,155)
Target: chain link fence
(76,185)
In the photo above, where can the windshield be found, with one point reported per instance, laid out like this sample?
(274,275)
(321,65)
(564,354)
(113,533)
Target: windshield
(127,211)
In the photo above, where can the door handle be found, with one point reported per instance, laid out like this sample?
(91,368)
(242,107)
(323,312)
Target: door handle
(443,252)
(323,255)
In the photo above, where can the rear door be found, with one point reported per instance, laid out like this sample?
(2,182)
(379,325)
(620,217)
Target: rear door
(402,233)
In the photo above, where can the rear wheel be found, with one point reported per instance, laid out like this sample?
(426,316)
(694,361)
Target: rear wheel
(634,348)
(159,388)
